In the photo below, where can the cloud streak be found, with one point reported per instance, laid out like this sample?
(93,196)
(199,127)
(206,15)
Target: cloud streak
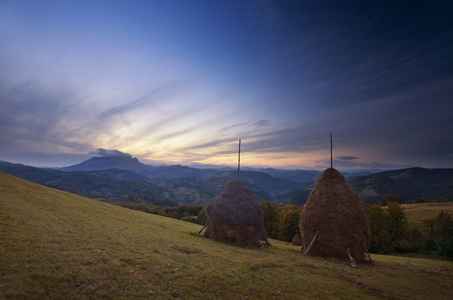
(377,77)
(107,153)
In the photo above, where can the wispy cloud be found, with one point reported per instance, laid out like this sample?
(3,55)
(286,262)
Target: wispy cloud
(289,74)
(347,157)
(107,153)
(150,98)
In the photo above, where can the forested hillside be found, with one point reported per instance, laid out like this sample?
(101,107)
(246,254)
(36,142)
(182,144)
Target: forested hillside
(178,185)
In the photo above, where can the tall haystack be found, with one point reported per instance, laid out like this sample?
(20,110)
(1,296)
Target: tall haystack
(333,213)
(235,216)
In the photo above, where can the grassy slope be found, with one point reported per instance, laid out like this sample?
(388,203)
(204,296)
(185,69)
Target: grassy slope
(59,245)
(417,212)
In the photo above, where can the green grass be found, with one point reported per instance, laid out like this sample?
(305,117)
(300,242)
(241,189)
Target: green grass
(61,246)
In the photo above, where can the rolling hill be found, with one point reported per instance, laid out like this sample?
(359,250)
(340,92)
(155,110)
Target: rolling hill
(410,184)
(63,246)
(123,179)
(162,186)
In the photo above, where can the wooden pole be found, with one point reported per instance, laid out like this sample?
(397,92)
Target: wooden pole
(351,259)
(264,238)
(239,157)
(311,243)
(369,256)
(331,165)
(202,229)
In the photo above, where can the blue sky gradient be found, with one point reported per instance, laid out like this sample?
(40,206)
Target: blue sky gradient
(182,81)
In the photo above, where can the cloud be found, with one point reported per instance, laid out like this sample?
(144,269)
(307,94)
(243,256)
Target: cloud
(347,157)
(262,123)
(106,153)
(150,98)
(385,99)
(349,165)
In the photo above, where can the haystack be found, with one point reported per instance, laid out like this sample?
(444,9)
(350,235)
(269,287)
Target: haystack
(235,216)
(333,213)
(297,241)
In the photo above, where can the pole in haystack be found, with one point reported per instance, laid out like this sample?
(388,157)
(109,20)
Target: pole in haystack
(239,157)
(311,243)
(331,165)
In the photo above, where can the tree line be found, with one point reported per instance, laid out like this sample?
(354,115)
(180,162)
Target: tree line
(392,233)
(390,230)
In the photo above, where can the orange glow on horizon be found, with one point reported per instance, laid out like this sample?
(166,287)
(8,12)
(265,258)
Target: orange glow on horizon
(273,160)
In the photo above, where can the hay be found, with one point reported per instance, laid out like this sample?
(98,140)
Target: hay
(333,209)
(235,216)
(297,241)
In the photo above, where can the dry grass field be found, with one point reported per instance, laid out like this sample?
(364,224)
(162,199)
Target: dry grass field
(57,245)
(417,212)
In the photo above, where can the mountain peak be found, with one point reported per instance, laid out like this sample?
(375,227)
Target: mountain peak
(107,162)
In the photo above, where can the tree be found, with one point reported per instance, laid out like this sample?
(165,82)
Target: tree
(439,199)
(396,224)
(440,234)
(388,227)
(202,217)
(393,198)
(380,239)
(289,222)
(420,200)
(186,217)
(271,218)
(162,212)
(141,206)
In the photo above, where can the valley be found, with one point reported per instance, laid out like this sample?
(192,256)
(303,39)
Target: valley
(123,180)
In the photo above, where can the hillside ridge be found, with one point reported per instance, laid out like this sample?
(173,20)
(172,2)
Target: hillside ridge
(71,247)
(178,185)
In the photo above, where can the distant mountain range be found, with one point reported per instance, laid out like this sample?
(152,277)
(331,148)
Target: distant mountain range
(124,179)
(408,184)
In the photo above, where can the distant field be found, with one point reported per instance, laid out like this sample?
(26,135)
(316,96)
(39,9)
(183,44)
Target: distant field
(62,246)
(417,212)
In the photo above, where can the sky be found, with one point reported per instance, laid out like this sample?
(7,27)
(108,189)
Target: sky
(180,82)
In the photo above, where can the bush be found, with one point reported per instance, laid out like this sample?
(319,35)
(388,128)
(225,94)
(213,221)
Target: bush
(439,199)
(440,234)
(393,199)
(186,217)
(271,218)
(289,222)
(380,238)
(202,217)
(396,224)
(387,227)
(415,239)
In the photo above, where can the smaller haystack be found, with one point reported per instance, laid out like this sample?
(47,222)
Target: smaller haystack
(235,216)
(333,214)
(297,241)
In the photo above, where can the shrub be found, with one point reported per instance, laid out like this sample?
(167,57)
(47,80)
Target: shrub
(440,234)
(387,227)
(271,218)
(380,239)
(202,217)
(289,222)
(396,224)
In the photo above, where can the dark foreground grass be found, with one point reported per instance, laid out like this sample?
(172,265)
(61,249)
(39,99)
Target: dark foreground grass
(58,245)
